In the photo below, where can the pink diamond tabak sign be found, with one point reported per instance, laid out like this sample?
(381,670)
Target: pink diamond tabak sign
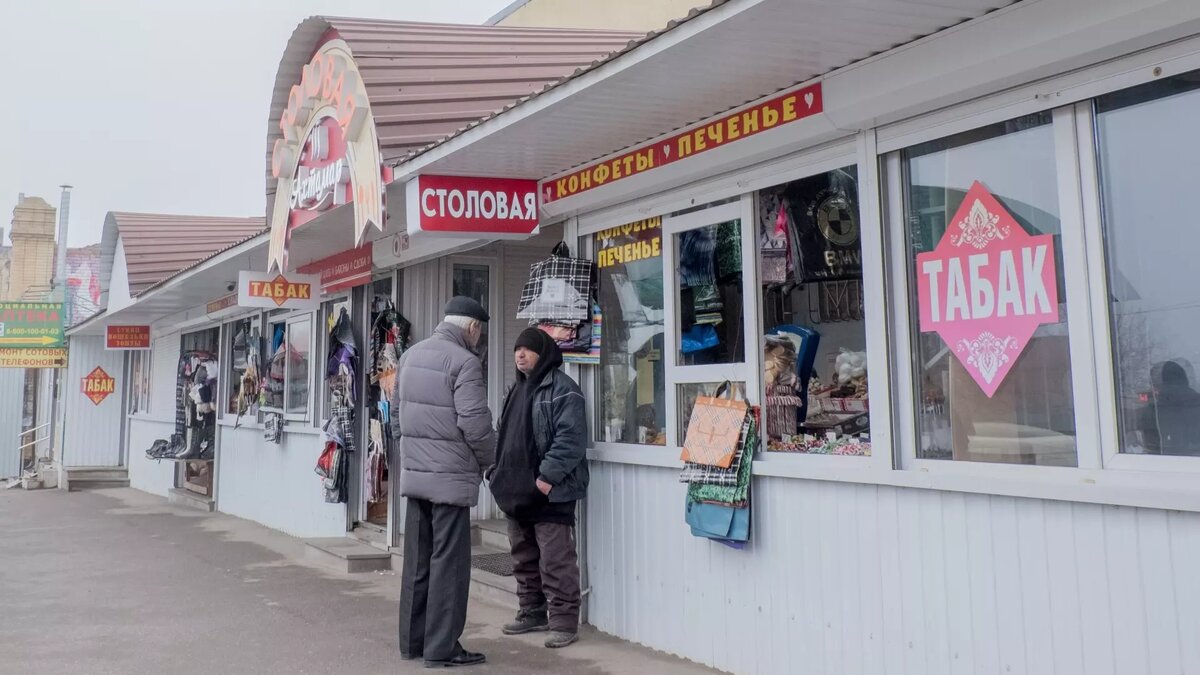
(986,287)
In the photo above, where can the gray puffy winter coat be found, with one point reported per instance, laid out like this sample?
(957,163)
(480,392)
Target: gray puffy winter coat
(441,419)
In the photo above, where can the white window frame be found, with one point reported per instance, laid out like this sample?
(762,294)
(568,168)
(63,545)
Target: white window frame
(1105,357)
(1104,475)
(860,155)
(308,418)
(1079,325)
(859,151)
(144,374)
(745,371)
(226,382)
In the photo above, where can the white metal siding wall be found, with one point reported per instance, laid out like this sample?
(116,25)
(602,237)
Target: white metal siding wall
(149,475)
(274,484)
(850,578)
(12,382)
(92,433)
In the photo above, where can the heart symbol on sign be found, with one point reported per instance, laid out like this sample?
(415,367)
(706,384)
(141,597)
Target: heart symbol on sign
(667,151)
(808,99)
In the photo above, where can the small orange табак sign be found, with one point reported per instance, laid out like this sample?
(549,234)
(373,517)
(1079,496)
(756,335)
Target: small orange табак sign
(301,291)
(98,385)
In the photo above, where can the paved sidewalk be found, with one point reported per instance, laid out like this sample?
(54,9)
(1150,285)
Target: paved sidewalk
(118,581)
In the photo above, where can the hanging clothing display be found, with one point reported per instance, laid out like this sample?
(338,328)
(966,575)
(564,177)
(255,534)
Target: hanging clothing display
(376,469)
(390,337)
(195,409)
(341,376)
(331,465)
(246,352)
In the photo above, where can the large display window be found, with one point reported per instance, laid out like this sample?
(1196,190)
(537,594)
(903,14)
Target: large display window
(1147,150)
(288,380)
(992,363)
(630,382)
(813,328)
(244,370)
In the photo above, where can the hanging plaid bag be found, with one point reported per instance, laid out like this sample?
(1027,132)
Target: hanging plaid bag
(715,428)
(560,288)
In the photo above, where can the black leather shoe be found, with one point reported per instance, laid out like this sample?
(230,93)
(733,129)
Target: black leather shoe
(464,658)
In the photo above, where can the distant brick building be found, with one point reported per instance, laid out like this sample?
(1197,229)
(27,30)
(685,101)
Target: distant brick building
(31,260)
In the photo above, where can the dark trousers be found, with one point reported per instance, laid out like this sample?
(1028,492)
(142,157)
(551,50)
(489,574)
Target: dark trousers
(436,579)
(547,570)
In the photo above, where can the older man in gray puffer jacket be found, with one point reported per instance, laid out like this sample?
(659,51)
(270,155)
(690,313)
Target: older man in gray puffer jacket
(440,418)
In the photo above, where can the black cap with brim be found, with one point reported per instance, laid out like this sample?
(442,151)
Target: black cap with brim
(461,305)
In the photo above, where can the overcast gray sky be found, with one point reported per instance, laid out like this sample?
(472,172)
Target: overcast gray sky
(154,105)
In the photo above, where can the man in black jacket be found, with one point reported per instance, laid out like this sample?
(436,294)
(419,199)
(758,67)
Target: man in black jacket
(541,471)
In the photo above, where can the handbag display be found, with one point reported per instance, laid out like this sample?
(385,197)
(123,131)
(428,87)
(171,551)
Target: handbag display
(560,288)
(715,428)
(718,521)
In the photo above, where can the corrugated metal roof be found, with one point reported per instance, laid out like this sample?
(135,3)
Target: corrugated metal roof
(635,42)
(425,81)
(158,246)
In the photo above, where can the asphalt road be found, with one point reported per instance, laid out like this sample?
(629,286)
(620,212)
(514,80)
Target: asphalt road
(118,581)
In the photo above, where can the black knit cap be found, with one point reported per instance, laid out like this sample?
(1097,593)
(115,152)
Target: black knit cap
(535,340)
(461,305)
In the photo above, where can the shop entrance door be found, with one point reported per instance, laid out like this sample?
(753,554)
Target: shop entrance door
(474,278)
(376,490)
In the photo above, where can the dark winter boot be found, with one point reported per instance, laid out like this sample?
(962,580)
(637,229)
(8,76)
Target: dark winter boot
(559,639)
(528,621)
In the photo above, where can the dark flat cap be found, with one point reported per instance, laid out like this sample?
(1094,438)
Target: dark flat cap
(461,305)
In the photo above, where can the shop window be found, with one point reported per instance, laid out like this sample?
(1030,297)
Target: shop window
(631,382)
(814,337)
(244,374)
(1148,148)
(709,295)
(288,375)
(139,382)
(992,364)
